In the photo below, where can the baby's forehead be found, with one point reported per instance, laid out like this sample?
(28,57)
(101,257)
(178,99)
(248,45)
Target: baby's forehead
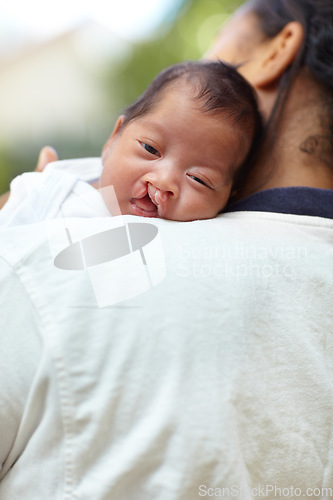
(181,88)
(181,104)
(183,93)
(200,100)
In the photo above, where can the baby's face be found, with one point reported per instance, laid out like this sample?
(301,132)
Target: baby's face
(175,162)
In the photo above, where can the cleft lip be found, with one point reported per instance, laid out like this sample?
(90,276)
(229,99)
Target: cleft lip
(145,205)
(156,197)
(152,190)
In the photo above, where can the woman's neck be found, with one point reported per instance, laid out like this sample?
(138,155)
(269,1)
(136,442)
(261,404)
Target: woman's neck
(299,152)
(286,167)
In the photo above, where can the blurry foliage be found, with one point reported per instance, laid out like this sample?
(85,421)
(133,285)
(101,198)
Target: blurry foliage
(5,171)
(24,157)
(186,37)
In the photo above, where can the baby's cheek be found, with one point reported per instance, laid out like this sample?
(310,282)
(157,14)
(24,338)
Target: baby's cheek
(223,198)
(111,200)
(101,178)
(107,190)
(105,177)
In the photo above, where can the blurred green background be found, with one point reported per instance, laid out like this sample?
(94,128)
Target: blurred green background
(77,121)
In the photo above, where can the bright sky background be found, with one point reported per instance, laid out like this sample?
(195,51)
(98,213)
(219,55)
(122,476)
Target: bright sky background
(42,19)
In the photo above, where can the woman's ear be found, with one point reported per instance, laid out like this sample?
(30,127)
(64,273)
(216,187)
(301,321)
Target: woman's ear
(114,133)
(277,54)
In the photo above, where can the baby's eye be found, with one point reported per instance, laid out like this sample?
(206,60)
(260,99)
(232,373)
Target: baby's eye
(150,149)
(200,181)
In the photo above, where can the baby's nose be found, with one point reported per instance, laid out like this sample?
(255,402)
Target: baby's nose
(167,182)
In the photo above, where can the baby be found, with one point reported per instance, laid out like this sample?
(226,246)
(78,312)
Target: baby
(175,153)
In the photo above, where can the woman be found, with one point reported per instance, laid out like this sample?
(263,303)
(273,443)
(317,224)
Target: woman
(217,382)
(283,48)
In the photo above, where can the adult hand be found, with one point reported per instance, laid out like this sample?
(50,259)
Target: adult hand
(46,155)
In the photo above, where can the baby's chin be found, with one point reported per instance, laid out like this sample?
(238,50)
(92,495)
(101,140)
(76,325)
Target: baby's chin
(139,208)
(143,207)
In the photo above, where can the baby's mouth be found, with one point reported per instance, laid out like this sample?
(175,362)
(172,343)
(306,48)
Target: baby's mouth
(144,206)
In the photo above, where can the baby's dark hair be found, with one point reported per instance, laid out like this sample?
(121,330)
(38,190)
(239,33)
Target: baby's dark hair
(219,88)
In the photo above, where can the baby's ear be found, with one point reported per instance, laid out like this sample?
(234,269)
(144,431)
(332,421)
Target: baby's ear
(114,133)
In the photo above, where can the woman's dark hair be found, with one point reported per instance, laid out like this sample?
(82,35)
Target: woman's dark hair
(316,53)
(218,87)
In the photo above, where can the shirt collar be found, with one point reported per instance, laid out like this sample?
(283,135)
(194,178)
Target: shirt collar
(291,200)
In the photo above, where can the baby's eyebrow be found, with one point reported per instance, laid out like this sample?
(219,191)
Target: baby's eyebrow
(154,125)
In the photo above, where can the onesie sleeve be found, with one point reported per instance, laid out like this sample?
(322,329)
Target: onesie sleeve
(36,196)
(21,207)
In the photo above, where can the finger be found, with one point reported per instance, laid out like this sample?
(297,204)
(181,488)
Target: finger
(47,155)
(3,199)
